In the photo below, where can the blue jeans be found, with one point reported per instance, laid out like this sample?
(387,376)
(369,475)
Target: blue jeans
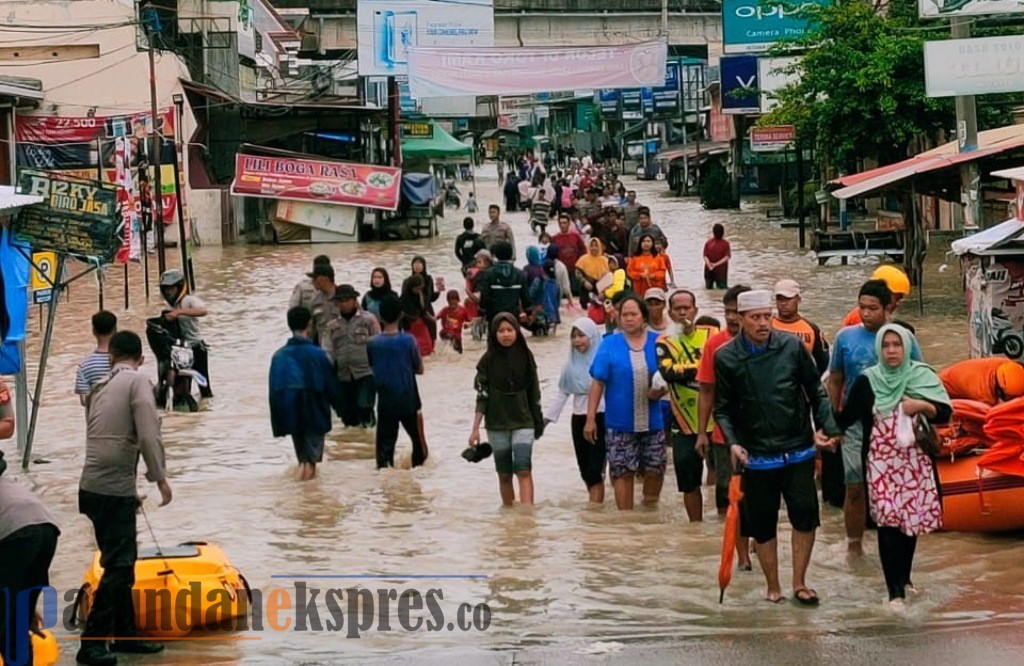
(513,450)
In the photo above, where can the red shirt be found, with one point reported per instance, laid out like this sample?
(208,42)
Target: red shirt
(570,248)
(706,371)
(715,250)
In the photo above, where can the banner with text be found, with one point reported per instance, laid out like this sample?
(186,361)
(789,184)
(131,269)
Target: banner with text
(446,72)
(980,66)
(85,147)
(943,8)
(387,29)
(321,181)
(752,26)
(78,217)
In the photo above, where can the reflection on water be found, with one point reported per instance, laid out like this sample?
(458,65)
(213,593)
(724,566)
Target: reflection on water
(564,574)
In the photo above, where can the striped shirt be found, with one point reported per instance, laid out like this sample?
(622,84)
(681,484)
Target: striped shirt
(95,367)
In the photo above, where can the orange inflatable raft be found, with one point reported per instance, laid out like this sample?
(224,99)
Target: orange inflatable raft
(979,500)
(177,590)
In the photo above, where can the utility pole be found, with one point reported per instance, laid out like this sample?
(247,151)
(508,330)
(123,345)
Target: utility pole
(967,138)
(157,195)
(664,19)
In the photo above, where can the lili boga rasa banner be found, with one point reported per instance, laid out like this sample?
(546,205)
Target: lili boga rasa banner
(319,181)
(448,72)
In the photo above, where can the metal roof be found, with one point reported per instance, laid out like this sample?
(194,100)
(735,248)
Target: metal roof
(11,201)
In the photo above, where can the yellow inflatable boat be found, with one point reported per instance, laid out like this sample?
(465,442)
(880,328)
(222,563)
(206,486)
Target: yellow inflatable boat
(178,590)
(44,648)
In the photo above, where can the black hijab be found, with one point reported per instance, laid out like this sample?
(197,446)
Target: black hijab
(412,304)
(508,369)
(429,293)
(378,293)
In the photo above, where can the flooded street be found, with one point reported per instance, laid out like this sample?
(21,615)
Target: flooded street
(562,580)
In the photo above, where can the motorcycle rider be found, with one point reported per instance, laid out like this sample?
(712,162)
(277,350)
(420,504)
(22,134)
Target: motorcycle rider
(187,308)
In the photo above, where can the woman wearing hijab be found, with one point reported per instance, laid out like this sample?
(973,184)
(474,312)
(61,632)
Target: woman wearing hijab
(380,287)
(431,292)
(508,397)
(415,319)
(574,384)
(590,268)
(534,269)
(902,493)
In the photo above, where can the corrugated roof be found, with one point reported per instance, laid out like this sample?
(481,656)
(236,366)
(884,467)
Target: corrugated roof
(11,201)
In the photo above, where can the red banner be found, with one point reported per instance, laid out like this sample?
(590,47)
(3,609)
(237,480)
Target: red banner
(317,180)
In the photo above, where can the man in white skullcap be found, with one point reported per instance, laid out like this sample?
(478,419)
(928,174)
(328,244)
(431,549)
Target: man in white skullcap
(766,390)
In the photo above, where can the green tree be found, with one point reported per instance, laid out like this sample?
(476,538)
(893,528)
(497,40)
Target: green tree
(861,91)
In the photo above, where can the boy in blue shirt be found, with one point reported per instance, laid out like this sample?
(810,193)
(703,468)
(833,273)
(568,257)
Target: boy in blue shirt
(395,360)
(303,388)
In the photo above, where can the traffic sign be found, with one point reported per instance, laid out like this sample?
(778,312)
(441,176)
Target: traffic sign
(41,296)
(44,270)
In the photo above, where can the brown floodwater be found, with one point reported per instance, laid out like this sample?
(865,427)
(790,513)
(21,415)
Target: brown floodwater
(564,579)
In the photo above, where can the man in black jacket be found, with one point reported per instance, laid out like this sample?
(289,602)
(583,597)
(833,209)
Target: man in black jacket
(766,389)
(503,286)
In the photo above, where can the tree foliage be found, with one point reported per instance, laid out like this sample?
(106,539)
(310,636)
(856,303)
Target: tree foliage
(861,92)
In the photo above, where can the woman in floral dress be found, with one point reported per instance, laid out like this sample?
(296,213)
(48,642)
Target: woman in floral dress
(903,495)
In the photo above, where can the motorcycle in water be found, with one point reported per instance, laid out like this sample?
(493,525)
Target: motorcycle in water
(451,195)
(174,357)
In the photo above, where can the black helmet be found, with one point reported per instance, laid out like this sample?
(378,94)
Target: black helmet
(172,285)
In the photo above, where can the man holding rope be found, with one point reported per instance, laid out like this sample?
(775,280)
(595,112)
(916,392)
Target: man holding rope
(122,425)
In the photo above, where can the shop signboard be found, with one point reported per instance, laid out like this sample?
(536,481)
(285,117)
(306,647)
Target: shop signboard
(321,181)
(946,8)
(78,217)
(608,98)
(387,29)
(739,85)
(772,139)
(979,66)
(750,26)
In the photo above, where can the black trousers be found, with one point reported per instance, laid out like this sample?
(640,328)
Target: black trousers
(357,398)
(387,437)
(113,519)
(590,456)
(25,558)
(833,481)
(896,551)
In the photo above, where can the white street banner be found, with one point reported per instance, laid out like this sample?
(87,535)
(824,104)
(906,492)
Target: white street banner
(447,72)
(984,65)
(942,8)
(387,29)
(772,76)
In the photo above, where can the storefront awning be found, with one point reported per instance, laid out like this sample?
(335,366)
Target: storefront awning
(991,143)
(692,150)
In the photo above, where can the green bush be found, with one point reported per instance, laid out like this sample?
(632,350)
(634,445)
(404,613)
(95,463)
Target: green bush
(716,188)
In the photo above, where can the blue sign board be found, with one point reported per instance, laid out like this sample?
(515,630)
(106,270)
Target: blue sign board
(665,99)
(739,85)
(748,26)
(632,104)
(608,98)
